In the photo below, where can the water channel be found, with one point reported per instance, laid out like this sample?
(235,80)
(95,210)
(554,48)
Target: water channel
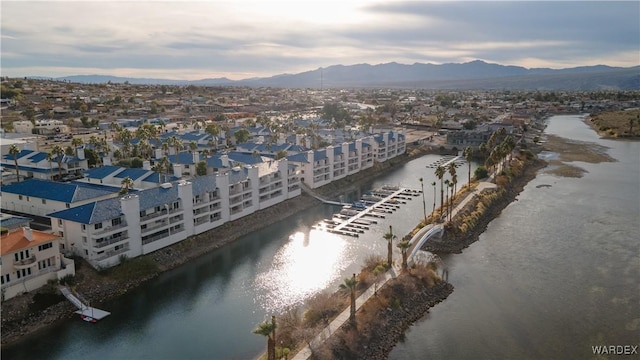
(209,307)
(555,274)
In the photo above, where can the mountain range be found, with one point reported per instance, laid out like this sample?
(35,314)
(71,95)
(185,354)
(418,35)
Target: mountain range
(471,75)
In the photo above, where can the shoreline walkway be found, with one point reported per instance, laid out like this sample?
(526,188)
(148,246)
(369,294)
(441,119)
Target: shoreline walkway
(335,324)
(343,317)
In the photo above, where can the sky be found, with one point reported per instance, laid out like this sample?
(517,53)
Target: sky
(243,39)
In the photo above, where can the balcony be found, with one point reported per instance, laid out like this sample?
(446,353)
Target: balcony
(25,263)
(112,253)
(99,245)
(153,215)
(110,228)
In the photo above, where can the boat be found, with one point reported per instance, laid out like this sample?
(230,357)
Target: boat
(88,319)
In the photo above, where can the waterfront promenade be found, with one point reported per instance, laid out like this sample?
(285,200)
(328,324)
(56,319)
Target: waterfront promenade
(343,317)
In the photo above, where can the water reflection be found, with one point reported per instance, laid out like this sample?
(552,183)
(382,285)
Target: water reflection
(305,265)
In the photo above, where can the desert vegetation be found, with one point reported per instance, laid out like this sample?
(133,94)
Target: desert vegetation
(617,124)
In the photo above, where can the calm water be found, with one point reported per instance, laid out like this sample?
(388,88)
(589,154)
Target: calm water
(556,273)
(208,308)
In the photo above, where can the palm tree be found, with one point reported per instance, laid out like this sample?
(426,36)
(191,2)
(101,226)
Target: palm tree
(434,197)
(452,169)
(350,284)
(50,159)
(14,150)
(268,329)
(389,237)
(468,153)
(127,184)
(440,171)
(59,153)
(76,141)
(448,183)
(404,246)
(484,150)
(424,204)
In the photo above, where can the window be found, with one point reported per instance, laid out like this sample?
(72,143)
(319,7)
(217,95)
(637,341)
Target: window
(116,222)
(67,205)
(143,213)
(19,197)
(86,252)
(60,222)
(45,246)
(84,227)
(44,201)
(84,239)
(98,226)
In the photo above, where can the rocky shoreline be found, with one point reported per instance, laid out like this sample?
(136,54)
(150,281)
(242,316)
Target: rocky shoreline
(452,244)
(18,321)
(400,321)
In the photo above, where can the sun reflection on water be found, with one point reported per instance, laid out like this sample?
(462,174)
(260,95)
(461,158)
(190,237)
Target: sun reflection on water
(304,266)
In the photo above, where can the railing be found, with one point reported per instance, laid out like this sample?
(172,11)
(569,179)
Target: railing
(112,253)
(99,245)
(25,263)
(153,215)
(123,224)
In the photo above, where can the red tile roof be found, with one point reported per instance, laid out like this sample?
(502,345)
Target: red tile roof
(15,240)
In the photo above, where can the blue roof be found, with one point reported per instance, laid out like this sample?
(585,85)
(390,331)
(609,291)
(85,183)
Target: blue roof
(237,175)
(154,177)
(215,162)
(203,184)
(301,157)
(91,213)
(56,191)
(319,154)
(38,157)
(248,159)
(184,157)
(337,150)
(101,172)
(151,198)
(133,173)
(14,220)
(21,154)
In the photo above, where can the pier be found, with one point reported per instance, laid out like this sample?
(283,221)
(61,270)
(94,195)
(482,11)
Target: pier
(86,312)
(352,221)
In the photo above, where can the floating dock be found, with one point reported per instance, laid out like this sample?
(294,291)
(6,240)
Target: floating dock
(353,220)
(86,312)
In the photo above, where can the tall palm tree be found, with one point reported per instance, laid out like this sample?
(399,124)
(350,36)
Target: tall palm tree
(448,183)
(14,150)
(483,150)
(350,284)
(440,171)
(389,237)
(434,197)
(452,169)
(268,329)
(127,184)
(468,154)
(424,204)
(404,246)
(59,153)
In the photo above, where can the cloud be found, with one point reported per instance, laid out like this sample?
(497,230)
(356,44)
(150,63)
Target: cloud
(254,38)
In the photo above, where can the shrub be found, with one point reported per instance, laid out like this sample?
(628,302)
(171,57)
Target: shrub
(480,173)
(68,280)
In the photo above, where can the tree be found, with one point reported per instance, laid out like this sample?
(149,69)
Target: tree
(268,329)
(50,160)
(76,141)
(452,170)
(281,154)
(389,237)
(14,151)
(201,168)
(448,183)
(404,246)
(480,172)
(434,197)
(440,171)
(127,184)
(468,154)
(241,136)
(350,284)
(59,153)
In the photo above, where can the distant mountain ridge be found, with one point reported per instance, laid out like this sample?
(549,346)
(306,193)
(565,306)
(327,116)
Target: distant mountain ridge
(471,75)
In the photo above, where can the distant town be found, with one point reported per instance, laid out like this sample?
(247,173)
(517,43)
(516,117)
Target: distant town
(113,171)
